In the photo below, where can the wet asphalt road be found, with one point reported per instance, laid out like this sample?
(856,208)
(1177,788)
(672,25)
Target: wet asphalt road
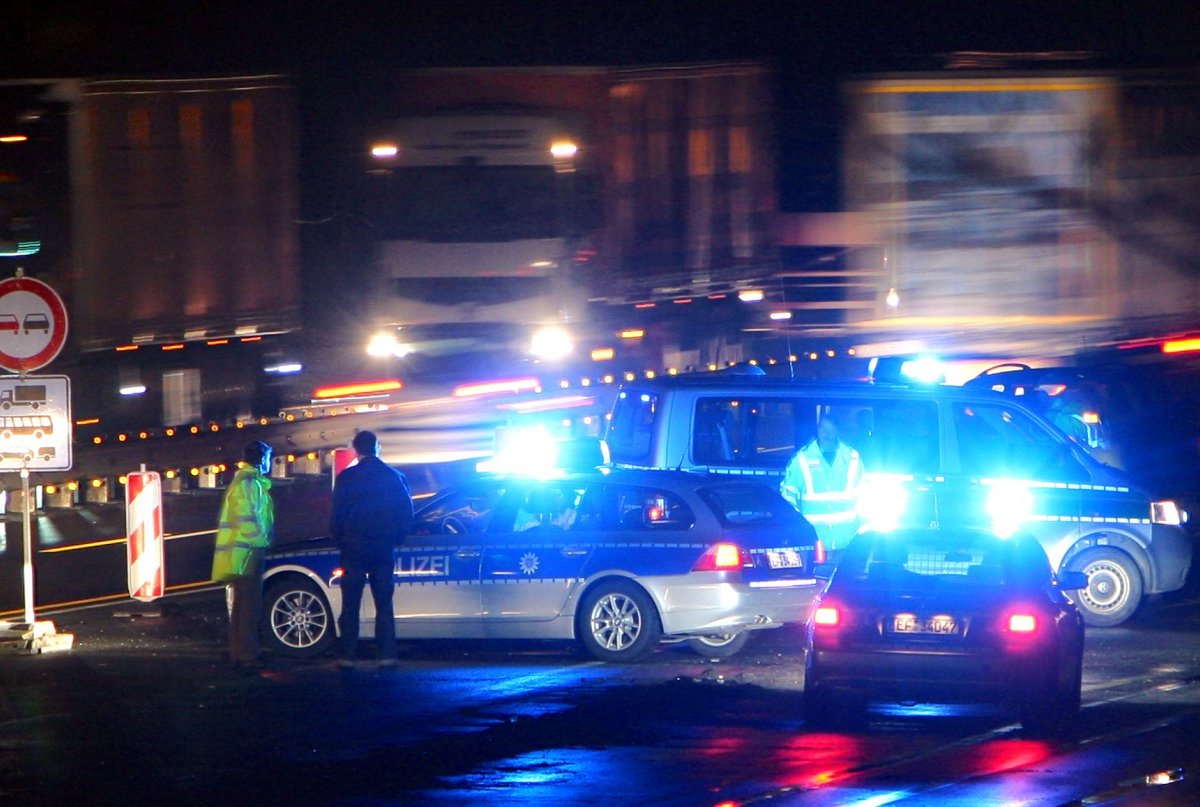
(144,709)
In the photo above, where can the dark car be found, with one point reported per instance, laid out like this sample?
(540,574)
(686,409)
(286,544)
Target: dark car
(945,616)
(616,560)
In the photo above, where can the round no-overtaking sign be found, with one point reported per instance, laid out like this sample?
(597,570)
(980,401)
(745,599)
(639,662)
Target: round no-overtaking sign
(33,324)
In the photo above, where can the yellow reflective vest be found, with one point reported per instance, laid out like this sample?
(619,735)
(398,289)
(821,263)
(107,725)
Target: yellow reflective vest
(246,524)
(825,491)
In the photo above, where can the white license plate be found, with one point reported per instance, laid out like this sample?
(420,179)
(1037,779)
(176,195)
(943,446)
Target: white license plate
(942,625)
(784,559)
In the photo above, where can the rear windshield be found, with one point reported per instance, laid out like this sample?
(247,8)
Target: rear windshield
(741,504)
(902,561)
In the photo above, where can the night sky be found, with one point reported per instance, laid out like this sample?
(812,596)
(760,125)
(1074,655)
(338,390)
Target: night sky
(363,38)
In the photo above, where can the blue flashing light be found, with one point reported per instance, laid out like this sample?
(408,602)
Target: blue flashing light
(1009,505)
(923,370)
(882,500)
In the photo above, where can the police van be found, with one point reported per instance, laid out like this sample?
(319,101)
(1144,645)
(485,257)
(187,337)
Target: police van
(930,455)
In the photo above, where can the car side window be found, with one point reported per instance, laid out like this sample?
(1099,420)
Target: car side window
(998,441)
(748,431)
(469,510)
(647,509)
(548,507)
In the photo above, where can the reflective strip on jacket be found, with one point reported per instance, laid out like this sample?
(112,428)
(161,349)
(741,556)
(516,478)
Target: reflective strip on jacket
(246,524)
(822,491)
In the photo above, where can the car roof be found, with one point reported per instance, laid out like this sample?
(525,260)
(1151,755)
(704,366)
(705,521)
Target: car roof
(849,388)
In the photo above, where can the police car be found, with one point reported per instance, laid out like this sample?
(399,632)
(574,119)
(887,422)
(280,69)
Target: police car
(617,560)
(931,455)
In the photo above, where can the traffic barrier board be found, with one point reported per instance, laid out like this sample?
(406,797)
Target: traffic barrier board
(144,527)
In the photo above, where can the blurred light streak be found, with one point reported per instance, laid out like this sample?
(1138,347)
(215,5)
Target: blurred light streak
(363,388)
(494,387)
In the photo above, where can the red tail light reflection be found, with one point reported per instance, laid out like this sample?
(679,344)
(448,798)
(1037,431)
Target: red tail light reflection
(819,552)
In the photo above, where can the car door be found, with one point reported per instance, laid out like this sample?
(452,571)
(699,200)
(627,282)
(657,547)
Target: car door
(437,567)
(535,553)
(1007,471)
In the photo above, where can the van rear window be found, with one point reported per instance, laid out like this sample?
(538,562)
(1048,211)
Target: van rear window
(631,428)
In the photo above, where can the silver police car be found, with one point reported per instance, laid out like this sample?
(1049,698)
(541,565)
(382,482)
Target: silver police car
(617,560)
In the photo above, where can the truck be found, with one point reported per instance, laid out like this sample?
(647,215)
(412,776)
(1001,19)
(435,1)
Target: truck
(509,200)
(31,395)
(1021,214)
(164,211)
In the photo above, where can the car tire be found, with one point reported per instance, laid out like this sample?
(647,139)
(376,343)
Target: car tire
(719,646)
(297,619)
(1114,588)
(618,622)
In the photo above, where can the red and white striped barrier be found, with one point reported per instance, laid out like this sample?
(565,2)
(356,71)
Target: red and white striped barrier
(144,526)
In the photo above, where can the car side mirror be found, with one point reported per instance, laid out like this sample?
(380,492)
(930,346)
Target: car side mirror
(1070,581)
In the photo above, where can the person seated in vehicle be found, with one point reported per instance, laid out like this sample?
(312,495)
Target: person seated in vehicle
(551,509)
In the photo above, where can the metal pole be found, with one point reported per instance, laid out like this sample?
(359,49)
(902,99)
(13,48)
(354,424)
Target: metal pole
(27,528)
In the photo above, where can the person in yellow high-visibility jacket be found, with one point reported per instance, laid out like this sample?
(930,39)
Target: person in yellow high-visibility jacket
(821,481)
(245,530)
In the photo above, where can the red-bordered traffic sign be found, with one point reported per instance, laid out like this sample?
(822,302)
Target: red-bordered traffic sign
(144,526)
(33,324)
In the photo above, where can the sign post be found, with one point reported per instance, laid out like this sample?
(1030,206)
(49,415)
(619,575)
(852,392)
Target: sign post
(33,330)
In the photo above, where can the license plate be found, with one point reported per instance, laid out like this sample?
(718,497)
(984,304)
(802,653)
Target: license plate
(941,625)
(784,559)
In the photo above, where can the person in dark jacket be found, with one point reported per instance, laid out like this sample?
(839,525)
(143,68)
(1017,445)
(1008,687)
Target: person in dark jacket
(372,513)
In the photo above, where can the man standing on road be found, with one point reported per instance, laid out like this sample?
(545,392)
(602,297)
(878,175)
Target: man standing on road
(372,513)
(246,526)
(821,481)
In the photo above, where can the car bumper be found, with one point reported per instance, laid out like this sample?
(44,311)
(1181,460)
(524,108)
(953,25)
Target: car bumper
(941,677)
(1170,553)
(707,608)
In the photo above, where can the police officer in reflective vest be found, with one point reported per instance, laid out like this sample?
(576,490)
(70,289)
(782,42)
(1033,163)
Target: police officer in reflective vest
(821,482)
(245,530)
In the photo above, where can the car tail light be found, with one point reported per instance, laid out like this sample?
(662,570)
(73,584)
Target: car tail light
(1022,623)
(819,555)
(721,558)
(827,616)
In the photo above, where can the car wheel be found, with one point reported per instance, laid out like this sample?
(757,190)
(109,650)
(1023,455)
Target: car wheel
(618,622)
(722,646)
(298,619)
(1114,588)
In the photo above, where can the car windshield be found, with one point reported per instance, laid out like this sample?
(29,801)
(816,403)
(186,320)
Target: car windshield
(932,558)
